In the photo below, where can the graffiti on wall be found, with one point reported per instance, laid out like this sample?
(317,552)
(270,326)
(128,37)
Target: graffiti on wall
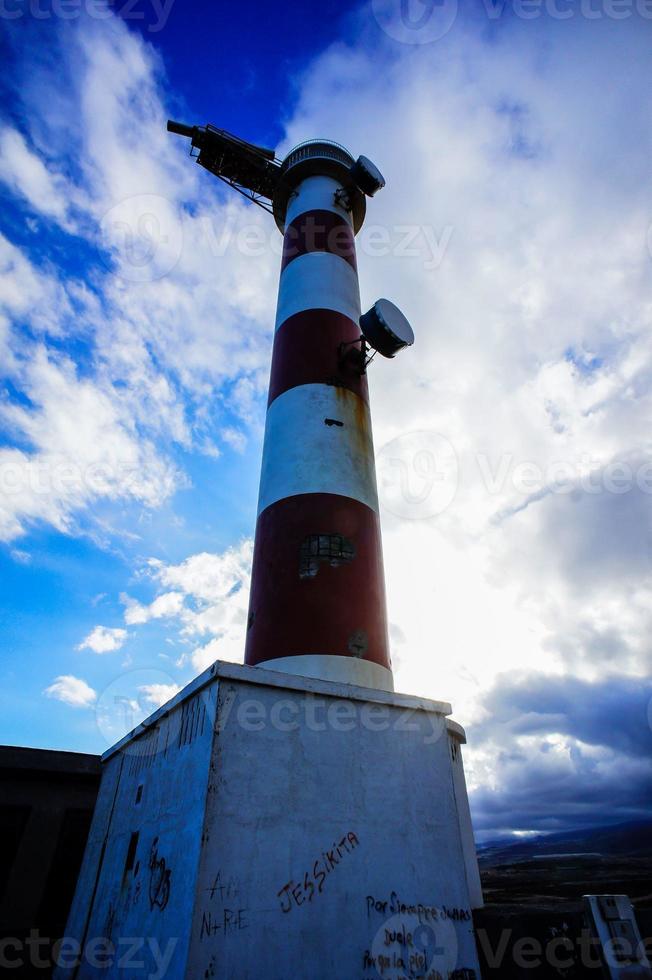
(415,939)
(223,920)
(293,894)
(159,879)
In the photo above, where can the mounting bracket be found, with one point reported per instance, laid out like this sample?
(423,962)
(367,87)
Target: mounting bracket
(355,358)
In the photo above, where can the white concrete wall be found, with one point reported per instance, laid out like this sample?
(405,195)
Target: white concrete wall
(317,836)
(457,739)
(144,913)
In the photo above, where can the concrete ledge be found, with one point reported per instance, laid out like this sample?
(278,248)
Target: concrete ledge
(291,682)
(456,731)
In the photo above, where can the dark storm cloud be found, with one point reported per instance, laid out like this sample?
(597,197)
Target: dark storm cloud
(612,713)
(603,775)
(535,799)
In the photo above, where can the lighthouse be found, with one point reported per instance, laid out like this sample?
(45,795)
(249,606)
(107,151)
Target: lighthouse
(293,816)
(317,603)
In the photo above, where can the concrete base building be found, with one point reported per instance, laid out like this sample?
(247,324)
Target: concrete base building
(264,825)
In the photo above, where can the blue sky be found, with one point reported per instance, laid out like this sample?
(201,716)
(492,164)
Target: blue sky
(136,307)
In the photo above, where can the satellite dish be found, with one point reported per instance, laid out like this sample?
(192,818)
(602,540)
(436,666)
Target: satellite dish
(367,176)
(386,329)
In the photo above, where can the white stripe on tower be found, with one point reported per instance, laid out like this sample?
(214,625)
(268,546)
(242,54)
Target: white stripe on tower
(318,440)
(317,603)
(315,194)
(318,280)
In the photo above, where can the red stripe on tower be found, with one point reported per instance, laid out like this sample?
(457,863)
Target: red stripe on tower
(318,231)
(295,362)
(317,603)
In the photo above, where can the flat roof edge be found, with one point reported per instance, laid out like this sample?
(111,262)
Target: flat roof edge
(264,677)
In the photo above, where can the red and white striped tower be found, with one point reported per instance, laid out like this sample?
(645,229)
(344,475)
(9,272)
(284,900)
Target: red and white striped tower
(317,604)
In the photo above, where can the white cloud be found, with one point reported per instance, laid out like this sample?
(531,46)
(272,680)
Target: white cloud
(209,599)
(163,607)
(217,587)
(24,172)
(158,694)
(83,446)
(104,639)
(207,577)
(229,646)
(23,557)
(168,227)
(155,357)
(234,438)
(29,294)
(71,690)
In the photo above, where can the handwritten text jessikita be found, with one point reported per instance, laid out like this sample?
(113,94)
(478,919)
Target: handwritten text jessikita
(312,882)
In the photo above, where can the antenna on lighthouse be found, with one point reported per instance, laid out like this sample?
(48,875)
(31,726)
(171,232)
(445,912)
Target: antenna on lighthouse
(251,170)
(257,173)
(386,329)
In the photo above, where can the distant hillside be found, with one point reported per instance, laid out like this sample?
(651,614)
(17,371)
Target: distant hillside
(619,840)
